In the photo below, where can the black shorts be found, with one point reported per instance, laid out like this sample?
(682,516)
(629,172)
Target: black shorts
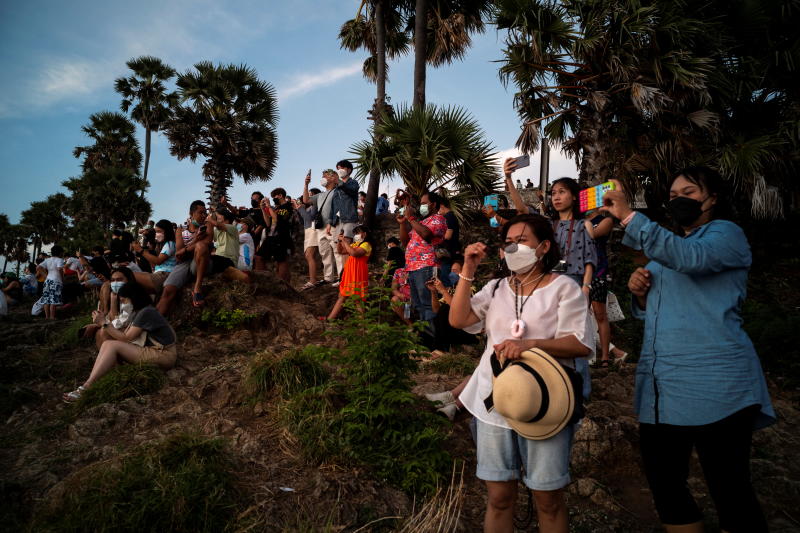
(276,247)
(598,292)
(219,264)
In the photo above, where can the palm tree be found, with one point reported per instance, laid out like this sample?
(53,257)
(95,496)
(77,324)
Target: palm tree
(146,96)
(228,117)
(46,220)
(442,33)
(381,33)
(115,143)
(432,148)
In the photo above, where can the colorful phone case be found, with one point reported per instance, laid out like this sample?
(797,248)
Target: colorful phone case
(592,198)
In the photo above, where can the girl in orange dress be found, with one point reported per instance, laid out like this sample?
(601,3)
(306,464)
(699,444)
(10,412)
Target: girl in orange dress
(355,274)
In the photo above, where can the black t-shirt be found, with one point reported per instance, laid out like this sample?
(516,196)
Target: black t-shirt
(156,326)
(284,225)
(397,256)
(258,217)
(453,244)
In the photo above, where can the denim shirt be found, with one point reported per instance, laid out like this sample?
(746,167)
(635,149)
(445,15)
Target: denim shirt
(697,364)
(344,201)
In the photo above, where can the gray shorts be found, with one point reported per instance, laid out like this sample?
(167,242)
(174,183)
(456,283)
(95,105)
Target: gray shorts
(347,227)
(183,273)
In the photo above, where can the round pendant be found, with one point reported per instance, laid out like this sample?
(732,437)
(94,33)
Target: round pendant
(517,329)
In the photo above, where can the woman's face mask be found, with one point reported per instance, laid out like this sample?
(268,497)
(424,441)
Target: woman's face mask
(521,258)
(424,210)
(116,286)
(159,236)
(239,228)
(358,238)
(684,210)
(341,172)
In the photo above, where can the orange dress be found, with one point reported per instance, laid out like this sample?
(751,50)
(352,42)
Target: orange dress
(355,274)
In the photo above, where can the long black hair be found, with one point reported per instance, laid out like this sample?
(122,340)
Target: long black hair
(125,271)
(169,232)
(136,294)
(575,190)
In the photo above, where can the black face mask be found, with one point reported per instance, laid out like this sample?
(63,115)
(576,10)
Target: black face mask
(684,211)
(255,203)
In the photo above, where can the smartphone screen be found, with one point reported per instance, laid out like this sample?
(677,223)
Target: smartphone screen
(490,200)
(435,273)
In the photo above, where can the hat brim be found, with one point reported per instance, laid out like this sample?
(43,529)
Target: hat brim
(561,396)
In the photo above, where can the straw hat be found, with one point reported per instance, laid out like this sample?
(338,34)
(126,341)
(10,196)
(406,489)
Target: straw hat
(534,394)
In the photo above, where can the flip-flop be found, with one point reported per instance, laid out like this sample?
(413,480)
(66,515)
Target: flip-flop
(307,286)
(197,299)
(621,359)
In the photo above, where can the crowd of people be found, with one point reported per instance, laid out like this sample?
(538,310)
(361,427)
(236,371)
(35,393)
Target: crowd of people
(699,384)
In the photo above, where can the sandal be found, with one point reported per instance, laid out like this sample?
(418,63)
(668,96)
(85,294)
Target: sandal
(602,363)
(74,396)
(621,359)
(197,299)
(307,286)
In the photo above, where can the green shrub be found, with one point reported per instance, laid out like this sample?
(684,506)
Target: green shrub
(226,319)
(123,382)
(66,336)
(370,415)
(290,373)
(182,484)
(775,337)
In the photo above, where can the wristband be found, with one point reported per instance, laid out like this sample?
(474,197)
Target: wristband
(627,219)
(587,285)
(466,278)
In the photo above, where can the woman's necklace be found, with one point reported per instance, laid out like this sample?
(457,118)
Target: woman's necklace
(518,327)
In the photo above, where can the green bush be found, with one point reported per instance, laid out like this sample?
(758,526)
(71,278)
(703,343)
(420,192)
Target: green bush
(290,373)
(123,382)
(182,484)
(454,364)
(226,319)
(775,337)
(370,415)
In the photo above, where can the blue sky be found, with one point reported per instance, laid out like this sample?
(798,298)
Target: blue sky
(61,59)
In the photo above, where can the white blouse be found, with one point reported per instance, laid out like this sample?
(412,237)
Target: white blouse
(557,310)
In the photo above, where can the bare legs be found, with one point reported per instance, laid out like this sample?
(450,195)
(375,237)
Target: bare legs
(337,308)
(603,328)
(551,509)
(111,354)
(282,270)
(312,263)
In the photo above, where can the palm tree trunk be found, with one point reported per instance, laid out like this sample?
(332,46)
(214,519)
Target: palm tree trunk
(420,51)
(147,134)
(380,53)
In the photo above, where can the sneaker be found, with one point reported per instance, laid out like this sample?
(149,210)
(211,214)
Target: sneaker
(442,398)
(450,411)
(335,284)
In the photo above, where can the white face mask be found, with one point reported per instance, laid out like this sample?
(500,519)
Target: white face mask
(126,308)
(324,182)
(159,237)
(116,286)
(423,210)
(522,259)
(358,238)
(341,172)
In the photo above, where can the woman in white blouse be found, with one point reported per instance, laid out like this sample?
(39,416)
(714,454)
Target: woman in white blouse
(532,308)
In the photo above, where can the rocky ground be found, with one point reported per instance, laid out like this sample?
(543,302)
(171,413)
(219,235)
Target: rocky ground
(205,392)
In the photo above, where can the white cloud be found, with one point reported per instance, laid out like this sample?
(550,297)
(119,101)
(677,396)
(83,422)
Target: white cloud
(65,78)
(309,82)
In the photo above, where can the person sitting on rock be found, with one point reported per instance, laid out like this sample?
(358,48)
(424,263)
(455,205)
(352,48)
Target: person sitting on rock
(119,315)
(162,261)
(401,295)
(194,258)
(444,335)
(12,288)
(226,246)
(148,339)
(395,257)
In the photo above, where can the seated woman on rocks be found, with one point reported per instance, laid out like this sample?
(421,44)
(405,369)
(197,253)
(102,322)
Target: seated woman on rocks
(119,314)
(148,339)
(519,434)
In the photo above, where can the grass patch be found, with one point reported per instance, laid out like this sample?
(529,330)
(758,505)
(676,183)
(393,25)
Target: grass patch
(368,414)
(453,364)
(182,484)
(124,381)
(288,373)
(66,336)
(226,319)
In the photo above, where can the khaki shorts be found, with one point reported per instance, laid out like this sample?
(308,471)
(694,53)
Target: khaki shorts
(158,279)
(310,238)
(163,356)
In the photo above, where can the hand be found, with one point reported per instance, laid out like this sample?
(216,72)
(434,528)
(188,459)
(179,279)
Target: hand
(180,253)
(639,282)
(431,285)
(509,166)
(489,211)
(401,219)
(98,318)
(409,212)
(511,349)
(473,255)
(585,291)
(308,179)
(328,229)
(616,203)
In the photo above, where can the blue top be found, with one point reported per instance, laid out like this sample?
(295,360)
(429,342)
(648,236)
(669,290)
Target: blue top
(382,206)
(697,365)
(344,201)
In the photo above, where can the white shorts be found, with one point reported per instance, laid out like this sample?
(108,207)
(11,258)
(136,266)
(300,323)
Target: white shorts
(310,238)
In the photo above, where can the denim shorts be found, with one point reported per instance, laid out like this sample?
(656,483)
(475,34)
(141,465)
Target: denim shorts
(503,455)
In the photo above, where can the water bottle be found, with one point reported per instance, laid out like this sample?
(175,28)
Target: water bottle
(407,311)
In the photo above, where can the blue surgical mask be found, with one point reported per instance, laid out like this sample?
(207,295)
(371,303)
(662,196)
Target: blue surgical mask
(116,286)
(423,210)
(238,227)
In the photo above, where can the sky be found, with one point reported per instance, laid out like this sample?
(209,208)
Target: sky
(61,60)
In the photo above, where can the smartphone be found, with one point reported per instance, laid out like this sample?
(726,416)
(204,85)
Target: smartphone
(490,200)
(592,198)
(522,161)
(435,273)
(309,172)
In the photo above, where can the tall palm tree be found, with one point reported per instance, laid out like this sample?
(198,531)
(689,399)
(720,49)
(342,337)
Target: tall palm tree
(115,143)
(442,34)
(432,148)
(228,117)
(382,34)
(145,95)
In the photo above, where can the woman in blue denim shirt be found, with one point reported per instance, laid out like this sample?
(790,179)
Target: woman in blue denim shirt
(699,383)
